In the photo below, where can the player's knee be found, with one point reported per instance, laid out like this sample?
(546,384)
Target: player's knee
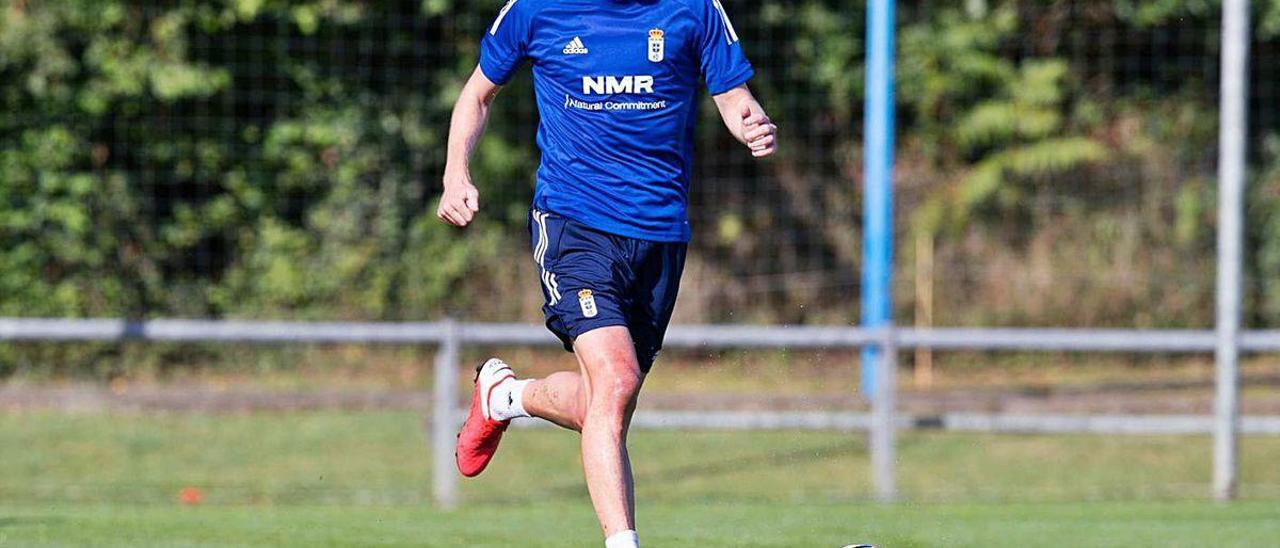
(624,389)
(616,395)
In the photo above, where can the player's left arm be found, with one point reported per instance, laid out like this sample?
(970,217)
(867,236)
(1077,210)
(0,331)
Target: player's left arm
(747,120)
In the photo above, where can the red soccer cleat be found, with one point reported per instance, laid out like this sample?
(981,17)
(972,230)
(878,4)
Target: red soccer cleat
(478,440)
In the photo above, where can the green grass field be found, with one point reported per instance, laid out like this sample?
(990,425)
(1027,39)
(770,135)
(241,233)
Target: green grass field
(665,524)
(363,479)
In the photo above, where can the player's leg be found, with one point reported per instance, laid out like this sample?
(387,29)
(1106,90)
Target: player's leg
(560,398)
(614,362)
(612,381)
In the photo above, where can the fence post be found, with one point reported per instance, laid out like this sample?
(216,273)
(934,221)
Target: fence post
(1233,131)
(883,402)
(444,477)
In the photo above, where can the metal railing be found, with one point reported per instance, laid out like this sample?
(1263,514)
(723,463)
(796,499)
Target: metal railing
(881,423)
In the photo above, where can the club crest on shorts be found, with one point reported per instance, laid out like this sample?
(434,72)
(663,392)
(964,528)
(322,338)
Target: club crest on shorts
(657,45)
(587,301)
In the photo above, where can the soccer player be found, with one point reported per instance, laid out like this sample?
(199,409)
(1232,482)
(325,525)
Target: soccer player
(617,90)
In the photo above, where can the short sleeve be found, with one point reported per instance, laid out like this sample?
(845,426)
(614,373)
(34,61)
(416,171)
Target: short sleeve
(506,42)
(724,66)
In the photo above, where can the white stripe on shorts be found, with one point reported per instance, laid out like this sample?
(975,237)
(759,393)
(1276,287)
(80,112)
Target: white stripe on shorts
(542,238)
(540,253)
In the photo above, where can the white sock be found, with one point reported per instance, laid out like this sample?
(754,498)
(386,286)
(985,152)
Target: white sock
(623,539)
(506,402)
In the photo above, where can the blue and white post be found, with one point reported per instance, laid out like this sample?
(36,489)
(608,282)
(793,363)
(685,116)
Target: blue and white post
(878,363)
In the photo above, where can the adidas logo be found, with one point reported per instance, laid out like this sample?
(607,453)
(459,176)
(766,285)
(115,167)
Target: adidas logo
(575,47)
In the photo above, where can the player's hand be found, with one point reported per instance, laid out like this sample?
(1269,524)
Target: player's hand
(460,201)
(758,132)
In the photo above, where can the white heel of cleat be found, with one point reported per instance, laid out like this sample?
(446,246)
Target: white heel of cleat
(489,375)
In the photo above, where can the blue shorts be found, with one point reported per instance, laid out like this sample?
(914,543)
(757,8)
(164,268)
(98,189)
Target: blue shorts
(593,279)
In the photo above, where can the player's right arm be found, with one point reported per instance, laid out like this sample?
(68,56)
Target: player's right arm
(502,51)
(461,200)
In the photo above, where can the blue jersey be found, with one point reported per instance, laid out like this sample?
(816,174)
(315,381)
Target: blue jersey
(616,84)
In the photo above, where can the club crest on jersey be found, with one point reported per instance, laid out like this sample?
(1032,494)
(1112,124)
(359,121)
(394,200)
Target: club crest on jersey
(587,301)
(657,45)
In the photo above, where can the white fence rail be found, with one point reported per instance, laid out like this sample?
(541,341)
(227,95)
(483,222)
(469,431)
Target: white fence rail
(702,336)
(881,423)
